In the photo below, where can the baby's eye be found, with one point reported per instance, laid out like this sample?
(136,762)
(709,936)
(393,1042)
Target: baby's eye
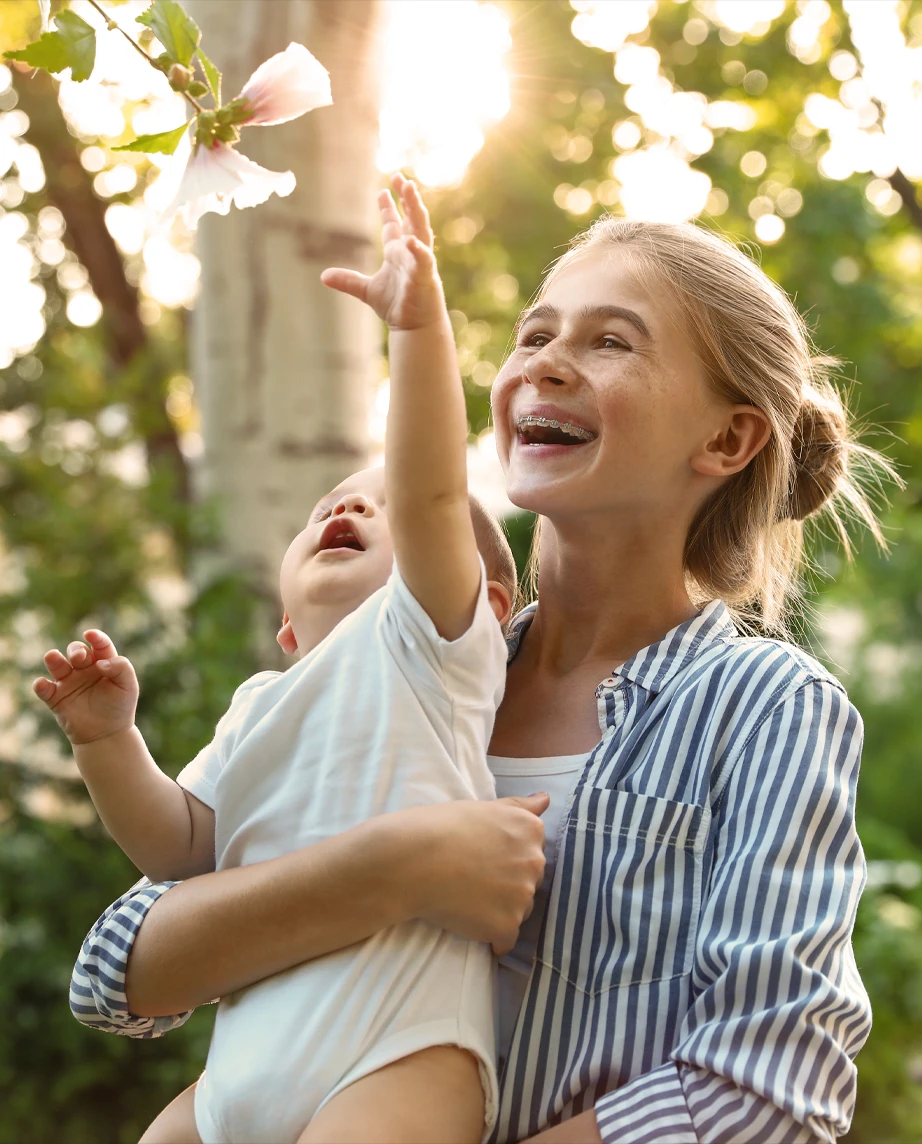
(319,515)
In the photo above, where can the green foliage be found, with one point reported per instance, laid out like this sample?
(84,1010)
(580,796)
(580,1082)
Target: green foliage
(83,545)
(177,31)
(889,951)
(212,75)
(164,142)
(72,46)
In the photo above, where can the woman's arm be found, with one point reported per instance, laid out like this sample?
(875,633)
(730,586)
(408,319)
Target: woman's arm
(778,1010)
(470,867)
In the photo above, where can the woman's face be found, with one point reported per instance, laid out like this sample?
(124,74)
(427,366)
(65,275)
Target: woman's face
(611,363)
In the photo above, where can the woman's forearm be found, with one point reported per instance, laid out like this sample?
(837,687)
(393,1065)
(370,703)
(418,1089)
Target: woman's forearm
(221,932)
(465,866)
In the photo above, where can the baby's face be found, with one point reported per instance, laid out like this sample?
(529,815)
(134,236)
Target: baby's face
(344,553)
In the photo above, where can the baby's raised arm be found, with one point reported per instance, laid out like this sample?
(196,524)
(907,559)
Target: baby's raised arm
(93,693)
(426,444)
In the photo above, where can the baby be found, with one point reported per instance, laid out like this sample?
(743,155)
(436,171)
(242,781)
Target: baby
(394,596)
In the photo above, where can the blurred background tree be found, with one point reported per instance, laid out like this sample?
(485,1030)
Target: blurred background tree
(792,127)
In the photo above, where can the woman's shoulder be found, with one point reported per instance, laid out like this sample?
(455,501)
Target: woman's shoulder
(783,657)
(755,675)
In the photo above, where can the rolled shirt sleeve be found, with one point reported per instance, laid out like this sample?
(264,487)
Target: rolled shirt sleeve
(778,1011)
(97,985)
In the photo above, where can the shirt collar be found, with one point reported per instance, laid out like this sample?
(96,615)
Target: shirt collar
(652,667)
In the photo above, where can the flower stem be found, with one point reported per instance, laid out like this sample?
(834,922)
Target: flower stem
(113,27)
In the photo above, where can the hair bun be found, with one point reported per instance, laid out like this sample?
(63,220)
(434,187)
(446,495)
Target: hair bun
(819,451)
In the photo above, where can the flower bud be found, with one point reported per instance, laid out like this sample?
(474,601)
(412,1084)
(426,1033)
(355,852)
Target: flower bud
(180,77)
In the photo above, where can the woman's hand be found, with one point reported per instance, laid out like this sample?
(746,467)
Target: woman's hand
(468,867)
(476,865)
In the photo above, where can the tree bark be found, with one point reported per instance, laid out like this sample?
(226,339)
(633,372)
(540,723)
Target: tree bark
(284,368)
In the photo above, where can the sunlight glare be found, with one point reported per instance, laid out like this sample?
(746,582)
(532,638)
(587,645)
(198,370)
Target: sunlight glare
(602,24)
(444,81)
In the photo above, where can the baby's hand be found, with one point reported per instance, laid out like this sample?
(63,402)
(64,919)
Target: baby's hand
(406,292)
(92,692)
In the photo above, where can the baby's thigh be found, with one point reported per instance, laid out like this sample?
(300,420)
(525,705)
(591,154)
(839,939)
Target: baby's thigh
(176,1124)
(431,1097)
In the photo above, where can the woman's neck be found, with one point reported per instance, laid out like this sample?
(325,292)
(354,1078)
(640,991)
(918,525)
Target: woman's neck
(606,593)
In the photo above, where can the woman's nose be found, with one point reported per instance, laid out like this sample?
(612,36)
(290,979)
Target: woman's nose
(547,369)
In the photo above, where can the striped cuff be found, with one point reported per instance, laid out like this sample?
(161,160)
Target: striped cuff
(97,985)
(650,1109)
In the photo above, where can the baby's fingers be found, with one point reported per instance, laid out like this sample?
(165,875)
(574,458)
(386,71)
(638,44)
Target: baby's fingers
(347,282)
(79,654)
(57,664)
(414,209)
(44,689)
(118,671)
(100,644)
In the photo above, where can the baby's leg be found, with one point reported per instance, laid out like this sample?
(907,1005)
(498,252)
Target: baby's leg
(176,1124)
(432,1097)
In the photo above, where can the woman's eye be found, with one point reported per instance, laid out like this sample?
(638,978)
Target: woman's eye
(610,342)
(536,341)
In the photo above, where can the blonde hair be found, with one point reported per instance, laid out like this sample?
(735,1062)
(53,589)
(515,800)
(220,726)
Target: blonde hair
(746,543)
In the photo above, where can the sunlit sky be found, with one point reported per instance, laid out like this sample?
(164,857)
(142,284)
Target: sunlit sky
(871,127)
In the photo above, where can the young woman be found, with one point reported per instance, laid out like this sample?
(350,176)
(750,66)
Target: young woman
(686,971)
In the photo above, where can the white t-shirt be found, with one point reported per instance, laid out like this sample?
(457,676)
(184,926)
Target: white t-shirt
(383,714)
(557,775)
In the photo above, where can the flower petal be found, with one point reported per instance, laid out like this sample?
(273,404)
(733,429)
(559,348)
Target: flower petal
(217,176)
(287,85)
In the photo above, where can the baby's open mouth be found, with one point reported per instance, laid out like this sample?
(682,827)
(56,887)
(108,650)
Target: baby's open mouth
(536,430)
(340,534)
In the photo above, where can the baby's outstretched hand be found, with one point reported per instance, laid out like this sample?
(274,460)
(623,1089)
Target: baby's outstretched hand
(92,692)
(406,292)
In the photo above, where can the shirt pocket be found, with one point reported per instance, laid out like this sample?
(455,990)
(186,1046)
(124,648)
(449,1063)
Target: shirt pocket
(629,880)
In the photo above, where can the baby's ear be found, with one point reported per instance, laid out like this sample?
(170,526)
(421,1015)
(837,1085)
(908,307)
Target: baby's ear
(500,601)
(286,637)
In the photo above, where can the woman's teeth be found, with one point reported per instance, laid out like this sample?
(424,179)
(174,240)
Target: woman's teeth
(539,430)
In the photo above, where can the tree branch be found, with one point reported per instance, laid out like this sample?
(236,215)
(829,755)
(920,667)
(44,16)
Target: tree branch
(907,192)
(69,187)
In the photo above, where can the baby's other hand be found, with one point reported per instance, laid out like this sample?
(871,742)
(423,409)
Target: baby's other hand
(92,692)
(406,292)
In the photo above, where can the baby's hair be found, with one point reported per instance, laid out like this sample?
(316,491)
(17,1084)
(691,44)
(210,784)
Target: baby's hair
(746,543)
(493,546)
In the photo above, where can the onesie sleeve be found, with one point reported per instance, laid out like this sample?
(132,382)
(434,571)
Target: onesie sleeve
(201,775)
(471,668)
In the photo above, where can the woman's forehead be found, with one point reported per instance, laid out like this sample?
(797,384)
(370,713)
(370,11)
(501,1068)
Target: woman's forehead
(600,276)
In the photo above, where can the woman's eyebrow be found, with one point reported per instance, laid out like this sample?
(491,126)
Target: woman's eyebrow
(590,312)
(547,313)
(542,313)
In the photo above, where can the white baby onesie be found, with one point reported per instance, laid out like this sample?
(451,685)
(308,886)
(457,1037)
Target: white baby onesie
(382,715)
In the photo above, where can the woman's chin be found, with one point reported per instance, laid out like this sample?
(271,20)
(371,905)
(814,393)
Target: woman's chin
(539,496)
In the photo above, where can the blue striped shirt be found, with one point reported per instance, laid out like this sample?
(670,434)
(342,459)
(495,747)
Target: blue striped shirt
(695,980)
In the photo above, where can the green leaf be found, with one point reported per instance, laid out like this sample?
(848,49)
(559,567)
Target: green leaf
(164,143)
(197,90)
(72,46)
(212,75)
(178,32)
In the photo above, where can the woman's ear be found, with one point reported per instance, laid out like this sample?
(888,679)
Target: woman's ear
(286,637)
(739,439)
(500,601)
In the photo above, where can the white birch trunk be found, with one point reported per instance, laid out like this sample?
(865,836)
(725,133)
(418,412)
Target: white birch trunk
(284,369)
